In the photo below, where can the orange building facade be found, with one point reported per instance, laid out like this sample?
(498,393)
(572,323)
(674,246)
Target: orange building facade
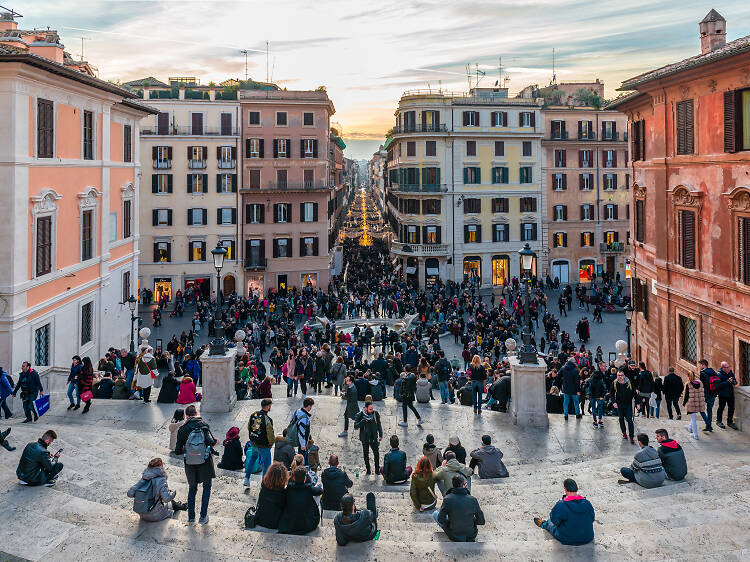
(69,190)
(690,207)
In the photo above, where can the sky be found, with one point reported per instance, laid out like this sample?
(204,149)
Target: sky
(368,53)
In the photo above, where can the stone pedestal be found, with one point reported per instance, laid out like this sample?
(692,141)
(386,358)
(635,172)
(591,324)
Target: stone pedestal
(742,407)
(217,378)
(528,393)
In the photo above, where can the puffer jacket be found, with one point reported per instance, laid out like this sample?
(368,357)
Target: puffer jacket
(423,390)
(163,507)
(694,397)
(647,467)
(444,474)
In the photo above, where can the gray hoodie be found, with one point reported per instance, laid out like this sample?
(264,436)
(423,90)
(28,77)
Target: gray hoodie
(490,463)
(647,467)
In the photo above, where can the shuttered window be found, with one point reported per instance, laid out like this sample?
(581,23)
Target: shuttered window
(43,245)
(685,127)
(687,239)
(639,223)
(638,137)
(736,120)
(88,135)
(45,129)
(743,247)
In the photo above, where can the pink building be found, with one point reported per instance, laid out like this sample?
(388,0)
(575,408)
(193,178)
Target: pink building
(68,200)
(286,188)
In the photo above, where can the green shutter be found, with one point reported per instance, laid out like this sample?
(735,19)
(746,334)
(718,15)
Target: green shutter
(416,176)
(505,175)
(437,176)
(494,170)
(466,175)
(479,175)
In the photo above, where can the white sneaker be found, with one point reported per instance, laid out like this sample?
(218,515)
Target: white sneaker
(343,434)
(690,429)
(419,422)
(694,436)
(22,483)
(403,424)
(247,482)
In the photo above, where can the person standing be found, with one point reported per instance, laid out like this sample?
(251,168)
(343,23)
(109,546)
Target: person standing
(706,374)
(726,396)
(352,406)
(37,466)
(477,374)
(75,373)
(301,419)
(624,392)
(146,371)
(5,390)
(128,363)
(443,370)
(694,403)
(408,395)
(645,388)
(571,386)
(370,434)
(30,386)
(189,443)
(262,438)
(672,392)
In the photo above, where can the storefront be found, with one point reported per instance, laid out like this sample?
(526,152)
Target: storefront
(561,271)
(411,270)
(586,270)
(473,270)
(309,280)
(432,271)
(500,270)
(201,284)
(162,286)
(255,284)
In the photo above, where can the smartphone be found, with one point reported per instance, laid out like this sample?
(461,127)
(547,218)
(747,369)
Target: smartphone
(58,452)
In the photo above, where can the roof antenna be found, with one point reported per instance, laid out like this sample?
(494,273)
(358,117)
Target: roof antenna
(244,52)
(12,12)
(554,75)
(82,39)
(267,62)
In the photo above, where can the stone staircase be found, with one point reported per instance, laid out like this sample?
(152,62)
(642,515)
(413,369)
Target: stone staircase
(87,516)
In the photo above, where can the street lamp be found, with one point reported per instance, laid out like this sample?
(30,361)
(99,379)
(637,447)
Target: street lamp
(527,353)
(628,319)
(218,346)
(132,303)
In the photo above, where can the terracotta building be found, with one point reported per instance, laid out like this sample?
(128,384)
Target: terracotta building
(690,208)
(69,185)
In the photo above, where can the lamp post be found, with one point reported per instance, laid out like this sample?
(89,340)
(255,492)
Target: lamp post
(218,346)
(628,319)
(527,352)
(132,303)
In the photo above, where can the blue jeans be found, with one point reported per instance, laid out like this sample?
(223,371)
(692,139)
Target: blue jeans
(265,459)
(566,400)
(477,388)
(627,473)
(129,380)
(74,387)
(549,526)
(304,454)
(655,409)
(192,491)
(445,394)
(597,408)
(710,400)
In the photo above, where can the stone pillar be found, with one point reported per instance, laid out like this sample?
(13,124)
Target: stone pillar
(528,405)
(218,381)
(742,407)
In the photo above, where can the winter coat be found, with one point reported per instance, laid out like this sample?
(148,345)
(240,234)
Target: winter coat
(695,398)
(645,383)
(460,514)
(444,474)
(5,388)
(624,393)
(490,463)
(672,385)
(163,507)
(423,390)
(120,391)
(432,452)
(726,387)
(352,407)
(477,374)
(394,467)
(597,389)
(369,426)
(143,375)
(75,372)
(573,517)
(264,389)
(647,467)
(232,457)
(362,386)
(459,451)
(196,473)
(422,490)
(409,388)
(336,483)
(30,384)
(443,369)
(34,462)
(173,427)
(187,392)
(339,372)
(360,526)
(301,514)
(283,452)
(270,506)
(570,379)
(673,460)
(376,390)
(500,390)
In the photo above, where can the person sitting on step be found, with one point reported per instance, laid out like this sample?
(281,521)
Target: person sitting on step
(394,469)
(38,466)
(672,456)
(164,503)
(460,513)
(571,521)
(356,525)
(646,469)
(488,460)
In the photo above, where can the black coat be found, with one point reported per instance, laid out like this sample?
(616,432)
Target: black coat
(459,451)
(232,457)
(460,514)
(170,387)
(369,427)
(196,473)
(35,460)
(301,514)
(283,452)
(409,388)
(270,506)
(29,383)
(336,483)
(570,379)
(672,386)
(394,467)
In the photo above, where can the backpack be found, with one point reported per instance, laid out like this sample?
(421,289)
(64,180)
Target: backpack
(714,382)
(144,499)
(291,431)
(196,450)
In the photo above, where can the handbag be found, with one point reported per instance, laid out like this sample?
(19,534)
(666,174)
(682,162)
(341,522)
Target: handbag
(86,396)
(41,405)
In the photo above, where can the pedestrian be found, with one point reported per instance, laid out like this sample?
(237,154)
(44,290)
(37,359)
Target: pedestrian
(155,491)
(672,392)
(86,384)
(350,394)
(694,402)
(370,434)
(408,395)
(708,375)
(37,466)
(571,386)
(262,438)
(571,520)
(338,372)
(597,392)
(30,386)
(301,420)
(6,390)
(645,388)
(4,443)
(146,371)
(460,513)
(443,370)
(75,373)
(195,442)
(177,421)
(623,393)
(646,469)
(726,396)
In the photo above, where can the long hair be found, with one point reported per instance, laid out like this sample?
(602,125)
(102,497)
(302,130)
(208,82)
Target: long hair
(476,361)
(276,477)
(424,467)
(87,366)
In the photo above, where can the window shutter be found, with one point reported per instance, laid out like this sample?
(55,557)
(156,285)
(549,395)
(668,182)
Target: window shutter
(154,217)
(580,158)
(591,128)
(275,248)
(493,119)
(533,119)
(205,216)
(288,212)
(203,250)
(189,217)
(744,249)
(262,252)
(234,216)
(604,129)
(154,152)
(565,239)
(565,212)
(479,233)
(533,231)
(156,252)
(466,233)
(275,148)
(580,129)
(302,148)
(218,153)
(190,251)
(504,119)
(154,183)
(247,148)
(189,152)
(477,123)
(730,121)
(565,181)
(617,236)
(248,213)
(204,151)
(466,175)
(169,152)
(169,217)
(301,212)
(616,208)
(262,213)
(564,157)
(261,145)
(190,183)
(689,127)
(234,183)
(465,118)
(438,239)
(233,153)
(315,213)
(505,174)
(315,246)
(169,183)
(583,242)
(642,139)
(614,159)
(478,175)
(627,211)
(687,223)
(520,118)
(301,247)
(437,176)
(218,183)
(218,216)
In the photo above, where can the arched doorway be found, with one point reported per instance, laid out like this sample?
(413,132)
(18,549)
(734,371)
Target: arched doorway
(561,270)
(228,285)
(500,270)
(473,270)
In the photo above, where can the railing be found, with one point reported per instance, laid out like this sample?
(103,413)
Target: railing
(419,128)
(591,135)
(560,135)
(256,264)
(417,188)
(188,131)
(305,185)
(162,164)
(196,164)
(421,249)
(612,247)
(227,164)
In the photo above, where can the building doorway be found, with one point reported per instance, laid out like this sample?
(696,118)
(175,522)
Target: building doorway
(586,270)
(611,266)
(473,270)
(412,275)
(254,284)
(500,270)
(201,286)
(162,286)
(561,271)
(282,282)
(229,285)
(432,271)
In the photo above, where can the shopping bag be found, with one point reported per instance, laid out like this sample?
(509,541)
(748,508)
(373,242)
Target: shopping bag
(41,405)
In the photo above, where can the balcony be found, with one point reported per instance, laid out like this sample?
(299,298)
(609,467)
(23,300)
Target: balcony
(419,128)
(196,164)
(609,137)
(559,135)
(227,164)
(612,247)
(256,264)
(188,132)
(417,188)
(420,249)
(291,186)
(162,164)
(588,136)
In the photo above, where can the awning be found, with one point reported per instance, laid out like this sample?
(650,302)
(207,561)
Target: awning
(433,271)
(410,270)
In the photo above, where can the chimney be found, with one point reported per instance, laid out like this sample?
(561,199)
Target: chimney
(8,21)
(713,31)
(49,47)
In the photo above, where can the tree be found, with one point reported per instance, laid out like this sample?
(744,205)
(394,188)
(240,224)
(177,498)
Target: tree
(320,89)
(586,97)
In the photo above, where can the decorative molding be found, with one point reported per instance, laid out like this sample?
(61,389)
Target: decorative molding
(639,191)
(739,199)
(45,201)
(684,197)
(128,190)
